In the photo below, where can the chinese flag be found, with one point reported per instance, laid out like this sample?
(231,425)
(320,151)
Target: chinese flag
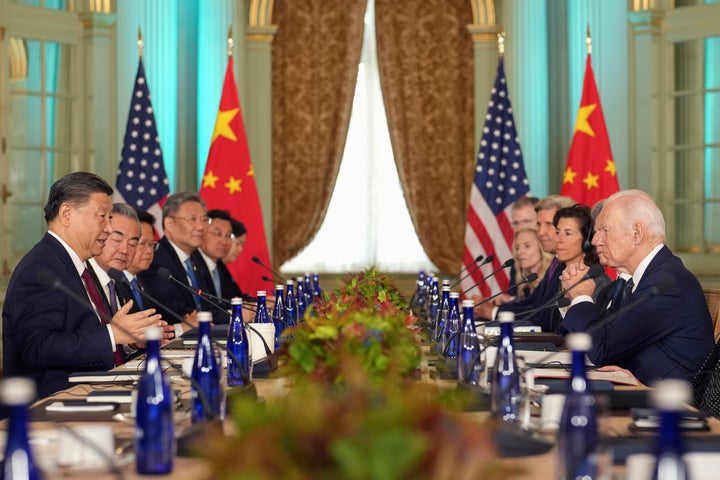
(590,172)
(229,184)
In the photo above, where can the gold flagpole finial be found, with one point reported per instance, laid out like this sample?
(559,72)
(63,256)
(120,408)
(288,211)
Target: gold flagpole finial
(501,44)
(141,44)
(588,40)
(230,42)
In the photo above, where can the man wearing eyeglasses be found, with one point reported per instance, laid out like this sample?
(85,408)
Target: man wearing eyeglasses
(185,221)
(120,249)
(217,243)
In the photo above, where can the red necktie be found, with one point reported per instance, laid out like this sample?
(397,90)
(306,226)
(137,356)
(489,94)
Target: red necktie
(100,307)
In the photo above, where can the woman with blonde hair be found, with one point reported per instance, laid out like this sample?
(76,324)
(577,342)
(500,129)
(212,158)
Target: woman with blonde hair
(529,257)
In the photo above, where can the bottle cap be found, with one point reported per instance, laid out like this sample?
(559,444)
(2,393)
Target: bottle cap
(454,295)
(670,394)
(261,293)
(236,301)
(468,304)
(578,342)
(300,279)
(290,282)
(204,317)
(17,391)
(505,317)
(153,333)
(445,282)
(279,287)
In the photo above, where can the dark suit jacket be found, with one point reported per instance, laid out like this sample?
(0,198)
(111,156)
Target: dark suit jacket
(46,334)
(668,335)
(547,289)
(206,284)
(176,301)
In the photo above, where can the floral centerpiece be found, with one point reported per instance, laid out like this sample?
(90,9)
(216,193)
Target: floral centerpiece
(354,410)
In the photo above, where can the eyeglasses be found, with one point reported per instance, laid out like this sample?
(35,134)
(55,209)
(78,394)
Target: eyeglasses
(204,220)
(215,233)
(148,244)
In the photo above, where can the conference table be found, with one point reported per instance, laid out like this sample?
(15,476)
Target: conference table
(45,426)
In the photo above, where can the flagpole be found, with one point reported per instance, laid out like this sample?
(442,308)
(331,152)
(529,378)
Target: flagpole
(588,40)
(501,44)
(140,42)
(230,42)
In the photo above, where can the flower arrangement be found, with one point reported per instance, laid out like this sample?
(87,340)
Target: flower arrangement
(354,411)
(365,319)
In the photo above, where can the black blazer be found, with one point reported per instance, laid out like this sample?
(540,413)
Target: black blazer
(667,335)
(176,301)
(219,308)
(46,334)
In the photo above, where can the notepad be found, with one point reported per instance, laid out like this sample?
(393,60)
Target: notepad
(104,377)
(110,396)
(79,406)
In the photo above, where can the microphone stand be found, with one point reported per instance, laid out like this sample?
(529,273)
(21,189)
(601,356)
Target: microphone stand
(474,268)
(275,274)
(508,263)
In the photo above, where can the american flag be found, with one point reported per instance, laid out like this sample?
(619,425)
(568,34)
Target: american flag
(499,180)
(141,179)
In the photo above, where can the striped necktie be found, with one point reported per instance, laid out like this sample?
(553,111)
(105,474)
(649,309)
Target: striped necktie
(190,269)
(96,299)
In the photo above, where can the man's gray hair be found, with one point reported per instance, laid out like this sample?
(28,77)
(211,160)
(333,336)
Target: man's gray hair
(125,210)
(554,202)
(639,207)
(175,200)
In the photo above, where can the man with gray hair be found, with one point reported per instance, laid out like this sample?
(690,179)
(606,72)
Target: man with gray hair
(668,333)
(185,222)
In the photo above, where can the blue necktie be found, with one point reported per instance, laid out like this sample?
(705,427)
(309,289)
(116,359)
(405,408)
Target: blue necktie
(216,281)
(136,294)
(617,294)
(190,269)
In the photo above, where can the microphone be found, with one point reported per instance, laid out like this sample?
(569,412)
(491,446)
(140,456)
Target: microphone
(49,279)
(530,278)
(275,274)
(211,299)
(663,285)
(508,263)
(473,268)
(560,303)
(119,277)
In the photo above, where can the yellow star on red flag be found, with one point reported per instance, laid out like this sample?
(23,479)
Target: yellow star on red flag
(209,179)
(222,125)
(233,185)
(582,124)
(569,176)
(610,167)
(591,181)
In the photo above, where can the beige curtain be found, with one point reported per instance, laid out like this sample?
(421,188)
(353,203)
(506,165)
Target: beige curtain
(315,59)
(425,56)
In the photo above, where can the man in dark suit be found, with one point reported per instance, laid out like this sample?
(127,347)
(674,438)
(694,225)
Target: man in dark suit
(549,286)
(185,222)
(119,249)
(668,334)
(144,254)
(48,334)
(216,277)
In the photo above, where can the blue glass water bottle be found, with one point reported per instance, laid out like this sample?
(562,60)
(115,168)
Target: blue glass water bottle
(154,427)
(19,464)
(291,308)
(442,316)
(452,327)
(469,365)
(434,303)
(505,391)
(309,296)
(278,314)
(317,291)
(205,391)
(300,299)
(670,397)
(261,313)
(239,362)
(418,298)
(577,431)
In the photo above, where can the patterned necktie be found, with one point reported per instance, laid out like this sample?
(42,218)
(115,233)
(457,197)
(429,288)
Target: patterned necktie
(617,294)
(112,297)
(136,294)
(94,294)
(190,269)
(627,291)
(216,281)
